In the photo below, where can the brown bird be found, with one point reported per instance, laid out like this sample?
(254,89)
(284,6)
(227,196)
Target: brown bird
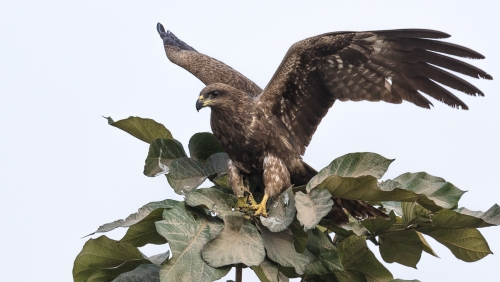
(265,132)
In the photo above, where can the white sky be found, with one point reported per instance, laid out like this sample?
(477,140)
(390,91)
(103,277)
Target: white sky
(63,64)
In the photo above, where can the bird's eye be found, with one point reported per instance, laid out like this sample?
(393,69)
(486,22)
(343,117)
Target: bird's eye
(215,93)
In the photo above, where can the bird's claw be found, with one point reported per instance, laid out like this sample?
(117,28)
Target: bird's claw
(260,209)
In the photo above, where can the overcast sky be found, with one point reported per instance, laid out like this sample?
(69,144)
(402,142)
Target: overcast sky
(64,64)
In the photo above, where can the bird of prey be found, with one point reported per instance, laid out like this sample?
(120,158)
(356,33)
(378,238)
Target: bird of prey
(265,132)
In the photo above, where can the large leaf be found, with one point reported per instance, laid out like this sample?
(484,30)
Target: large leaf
(144,232)
(438,191)
(187,236)
(219,203)
(454,220)
(134,218)
(312,207)
(186,174)
(414,213)
(491,216)
(466,244)
(379,224)
(143,273)
(267,271)
(217,164)
(426,247)
(280,248)
(365,189)
(357,258)
(326,255)
(354,165)
(281,213)
(299,235)
(239,242)
(144,129)
(104,253)
(108,274)
(403,247)
(162,152)
(204,144)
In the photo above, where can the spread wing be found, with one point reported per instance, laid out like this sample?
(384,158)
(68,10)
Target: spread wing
(205,68)
(391,66)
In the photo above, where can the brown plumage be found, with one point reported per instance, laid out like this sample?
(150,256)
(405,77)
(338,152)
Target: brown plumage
(265,132)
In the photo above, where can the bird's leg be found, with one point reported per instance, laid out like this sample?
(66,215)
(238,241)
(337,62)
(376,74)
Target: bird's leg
(276,178)
(239,189)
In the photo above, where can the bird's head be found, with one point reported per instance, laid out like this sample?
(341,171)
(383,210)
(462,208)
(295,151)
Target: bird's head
(216,96)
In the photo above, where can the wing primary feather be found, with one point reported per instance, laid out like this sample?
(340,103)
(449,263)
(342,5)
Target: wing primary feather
(434,73)
(408,44)
(436,91)
(412,33)
(170,39)
(419,55)
(411,96)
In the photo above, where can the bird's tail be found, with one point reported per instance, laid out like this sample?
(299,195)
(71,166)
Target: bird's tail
(340,208)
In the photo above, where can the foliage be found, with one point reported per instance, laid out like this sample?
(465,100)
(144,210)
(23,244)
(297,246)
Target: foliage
(212,230)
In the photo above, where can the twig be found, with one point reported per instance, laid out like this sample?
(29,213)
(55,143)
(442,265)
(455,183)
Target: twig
(239,273)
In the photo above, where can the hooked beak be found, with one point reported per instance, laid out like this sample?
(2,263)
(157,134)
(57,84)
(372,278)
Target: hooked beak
(199,104)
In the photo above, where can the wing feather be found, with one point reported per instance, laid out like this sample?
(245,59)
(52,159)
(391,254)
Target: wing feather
(205,68)
(390,66)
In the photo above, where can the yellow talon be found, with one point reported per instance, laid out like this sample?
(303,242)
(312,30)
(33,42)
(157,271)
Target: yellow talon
(261,208)
(246,201)
(251,200)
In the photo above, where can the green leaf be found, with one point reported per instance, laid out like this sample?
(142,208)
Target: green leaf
(239,242)
(466,244)
(134,218)
(187,236)
(357,258)
(299,235)
(354,165)
(108,274)
(326,255)
(143,273)
(438,191)
(280,248)
(491,216)
(162,152)
(281,213)
(267,271)
(223,182)
(348,276)
(453,220)
(426,247)
(364,188)
(217,164)
(186,175)
(219,203)
(379,224)
(144,129)
(312,207)
(204,144)
(107,255)
(144,232)
(403,247)
(414,213)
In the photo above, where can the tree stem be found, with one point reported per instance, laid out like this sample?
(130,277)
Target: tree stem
(239,273)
